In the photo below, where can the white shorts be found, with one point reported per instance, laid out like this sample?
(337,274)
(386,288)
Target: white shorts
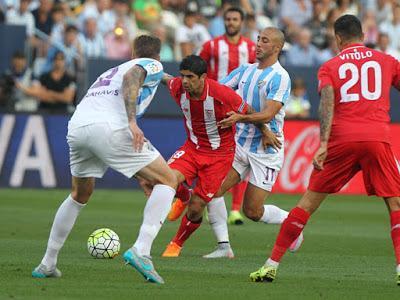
(262,169)
(95,147)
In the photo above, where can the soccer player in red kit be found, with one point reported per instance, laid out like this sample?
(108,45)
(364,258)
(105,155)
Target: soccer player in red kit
(354,132)
(208,152)
(223,54)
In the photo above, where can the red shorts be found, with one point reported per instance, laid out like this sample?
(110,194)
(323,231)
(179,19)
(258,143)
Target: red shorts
(210,171)
(375,159)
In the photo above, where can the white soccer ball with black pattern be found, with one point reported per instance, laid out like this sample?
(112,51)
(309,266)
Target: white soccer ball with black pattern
(103,243)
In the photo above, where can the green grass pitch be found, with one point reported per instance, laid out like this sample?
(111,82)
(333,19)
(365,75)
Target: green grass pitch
(347,253)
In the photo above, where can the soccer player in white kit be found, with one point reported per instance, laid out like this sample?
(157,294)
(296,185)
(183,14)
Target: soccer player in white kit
(103,133)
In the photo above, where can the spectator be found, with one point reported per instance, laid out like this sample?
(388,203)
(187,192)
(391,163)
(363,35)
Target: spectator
(393,29)
(206,8)
(294,14)
(302,53)
(331,51)
(347,7)
(370,28)
(117,42)
(42,15)
(2,16)
(250,30)
(298,106)
(191,35)
(383,11)
(216,25)
(91,40)
(72,50)
(22,16)
(58,17)
(166,53)
(383,45)
(121,13)
(147,13)
(333,15)
(19,73)
(54,90)
(326,7)
(99,9)
(317,26)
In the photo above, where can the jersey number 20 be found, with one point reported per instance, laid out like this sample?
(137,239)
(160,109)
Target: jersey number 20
(355,76)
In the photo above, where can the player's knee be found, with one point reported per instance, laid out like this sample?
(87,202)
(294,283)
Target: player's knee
(169,180)
(195,209)
(252,213)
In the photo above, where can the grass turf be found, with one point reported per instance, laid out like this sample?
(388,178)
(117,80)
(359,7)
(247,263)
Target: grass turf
(347,253)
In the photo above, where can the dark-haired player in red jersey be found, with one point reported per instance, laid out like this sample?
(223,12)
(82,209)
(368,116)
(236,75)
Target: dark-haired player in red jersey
(354,124)
(223,54)
(208,152)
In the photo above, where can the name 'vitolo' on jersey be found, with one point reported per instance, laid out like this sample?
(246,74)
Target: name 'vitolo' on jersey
(361,78)
(104,101)
(256,86)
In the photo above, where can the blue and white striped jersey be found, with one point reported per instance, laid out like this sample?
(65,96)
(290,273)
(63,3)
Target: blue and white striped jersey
(256,86)
(104,101)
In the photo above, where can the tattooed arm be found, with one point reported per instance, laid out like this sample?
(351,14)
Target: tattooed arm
(326,110)
(132,82)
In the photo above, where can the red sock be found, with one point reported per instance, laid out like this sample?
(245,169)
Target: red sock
(183,193)
(185,230)
(395,232)
(290,230)
(238,195)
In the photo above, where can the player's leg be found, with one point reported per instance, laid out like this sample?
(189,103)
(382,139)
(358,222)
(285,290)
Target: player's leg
(290,230)
(183,194)
(84,167)
(217,216)
(64,220)
(340,166)
(382,178)
(189,224)
(235,217)
(393,204)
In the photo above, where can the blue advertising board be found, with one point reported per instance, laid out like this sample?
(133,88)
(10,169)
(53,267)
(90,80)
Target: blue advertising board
(34,150)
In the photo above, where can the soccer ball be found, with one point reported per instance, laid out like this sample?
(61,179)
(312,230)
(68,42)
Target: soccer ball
(103,243)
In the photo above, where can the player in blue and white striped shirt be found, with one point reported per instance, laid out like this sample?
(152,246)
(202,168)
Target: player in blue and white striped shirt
(265,86)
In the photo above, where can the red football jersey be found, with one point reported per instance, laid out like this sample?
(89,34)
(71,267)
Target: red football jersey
(223,57)
(202,115)
(361,78)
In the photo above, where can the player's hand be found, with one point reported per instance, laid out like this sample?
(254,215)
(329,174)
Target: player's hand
(319,157)
(271,139)
(138,136)
(231,120)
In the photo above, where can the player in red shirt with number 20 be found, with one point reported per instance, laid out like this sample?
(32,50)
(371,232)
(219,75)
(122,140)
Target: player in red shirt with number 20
(354,132)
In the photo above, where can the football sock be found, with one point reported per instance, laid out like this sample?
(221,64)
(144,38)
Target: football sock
(290,230)
(273,215)
(395,233)
(238,195)
(62,226)
(218,216)
(271,263)
(183,193)
(186,228)
(155,212)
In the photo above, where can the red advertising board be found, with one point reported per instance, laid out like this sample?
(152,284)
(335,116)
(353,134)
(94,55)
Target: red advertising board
(301,142)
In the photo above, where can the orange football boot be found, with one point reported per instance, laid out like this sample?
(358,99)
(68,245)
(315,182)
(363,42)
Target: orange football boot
(177,209)
(172,250)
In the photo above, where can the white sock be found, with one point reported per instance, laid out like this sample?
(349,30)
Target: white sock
(271,263)
(398,268)
(218,216)
(155,212)
(62,226)
(273,215)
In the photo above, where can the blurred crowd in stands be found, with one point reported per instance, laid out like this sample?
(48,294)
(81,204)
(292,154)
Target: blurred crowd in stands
(62,34)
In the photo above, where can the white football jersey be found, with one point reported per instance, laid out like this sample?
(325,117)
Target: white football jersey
(104,101)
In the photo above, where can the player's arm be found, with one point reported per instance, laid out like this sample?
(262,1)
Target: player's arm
(326,110)
(272,107)
(166,78)
(131,83)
